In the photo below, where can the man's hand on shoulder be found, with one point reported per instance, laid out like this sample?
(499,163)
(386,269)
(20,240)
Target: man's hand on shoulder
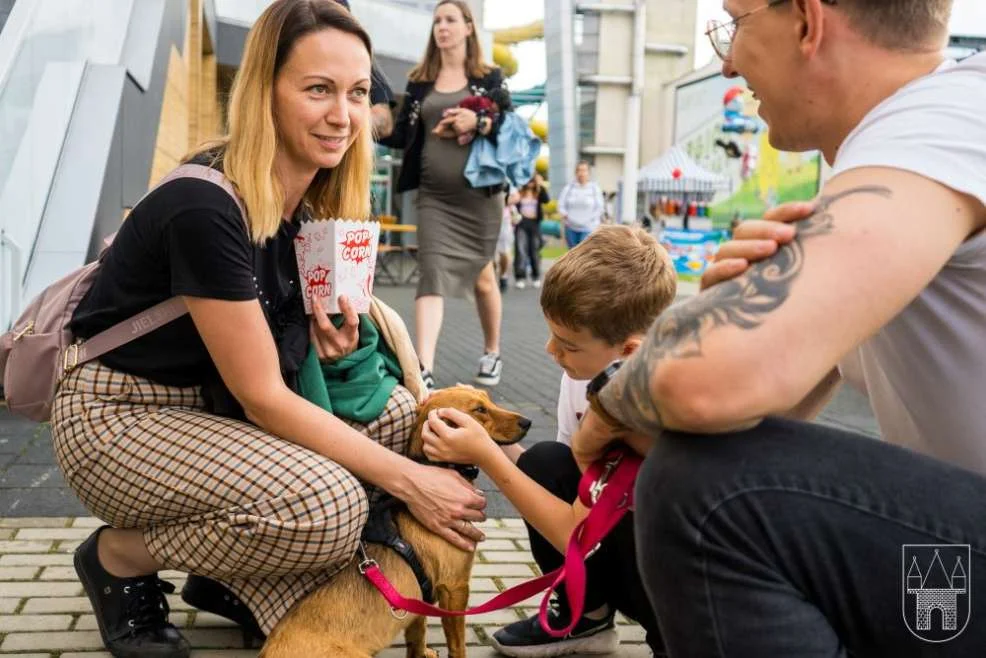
(756,239)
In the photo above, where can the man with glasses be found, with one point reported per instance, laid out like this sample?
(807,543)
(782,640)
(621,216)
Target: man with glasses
(761,535)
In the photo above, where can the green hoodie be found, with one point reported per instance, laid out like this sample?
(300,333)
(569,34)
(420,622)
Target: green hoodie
(358,386)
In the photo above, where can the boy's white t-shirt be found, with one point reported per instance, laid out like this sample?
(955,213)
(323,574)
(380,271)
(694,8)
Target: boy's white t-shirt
(924,371)
(571,406)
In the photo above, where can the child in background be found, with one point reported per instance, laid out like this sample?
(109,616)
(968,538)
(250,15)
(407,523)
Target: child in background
(505,241)
(599,299)
(527,256)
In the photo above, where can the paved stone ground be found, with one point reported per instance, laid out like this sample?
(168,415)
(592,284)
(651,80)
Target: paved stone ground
(44,614)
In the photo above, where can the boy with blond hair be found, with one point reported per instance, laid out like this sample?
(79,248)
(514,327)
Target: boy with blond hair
(598,300)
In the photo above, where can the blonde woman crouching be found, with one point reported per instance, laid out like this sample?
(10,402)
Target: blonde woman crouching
(191,442)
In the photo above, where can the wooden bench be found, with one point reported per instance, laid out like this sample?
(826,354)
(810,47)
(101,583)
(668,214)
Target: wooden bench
(393,255)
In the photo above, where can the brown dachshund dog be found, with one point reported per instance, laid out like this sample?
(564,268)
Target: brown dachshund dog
(347,617)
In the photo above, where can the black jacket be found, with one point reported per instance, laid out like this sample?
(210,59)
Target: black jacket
(409,131)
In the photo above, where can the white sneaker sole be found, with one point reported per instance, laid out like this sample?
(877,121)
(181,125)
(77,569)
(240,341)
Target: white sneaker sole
(599,644)
(487,380)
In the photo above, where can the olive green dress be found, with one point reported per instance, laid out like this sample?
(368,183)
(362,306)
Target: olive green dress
(458,225)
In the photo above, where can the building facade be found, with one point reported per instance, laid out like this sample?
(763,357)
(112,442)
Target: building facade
(608,62)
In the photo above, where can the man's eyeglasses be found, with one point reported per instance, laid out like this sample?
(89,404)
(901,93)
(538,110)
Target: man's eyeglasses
(721,34)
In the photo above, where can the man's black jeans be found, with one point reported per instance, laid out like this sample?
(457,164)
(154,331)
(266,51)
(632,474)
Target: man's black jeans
(611,572)
(789,540)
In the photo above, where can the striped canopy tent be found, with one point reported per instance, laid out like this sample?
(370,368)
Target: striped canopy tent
(676,173)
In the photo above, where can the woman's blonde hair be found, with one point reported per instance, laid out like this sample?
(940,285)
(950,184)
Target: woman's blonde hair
(427,70)
(247,151)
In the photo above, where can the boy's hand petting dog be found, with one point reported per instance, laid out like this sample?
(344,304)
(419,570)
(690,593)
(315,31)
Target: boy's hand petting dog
(464,441)
(755,240)
(332,344)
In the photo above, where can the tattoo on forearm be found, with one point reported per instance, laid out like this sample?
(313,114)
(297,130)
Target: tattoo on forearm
(741,302)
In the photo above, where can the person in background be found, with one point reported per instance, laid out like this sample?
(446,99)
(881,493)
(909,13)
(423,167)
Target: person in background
(458,225)
(505,243)
(580,205)
(609,208)
(382,102)
(527,243)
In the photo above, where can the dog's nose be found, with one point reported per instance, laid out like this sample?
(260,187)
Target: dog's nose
(525,423)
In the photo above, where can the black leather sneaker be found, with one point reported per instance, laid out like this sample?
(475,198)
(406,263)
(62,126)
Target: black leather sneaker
(210,596)
(526,638)
(132,613)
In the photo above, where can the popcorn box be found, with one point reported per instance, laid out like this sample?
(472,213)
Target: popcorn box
(337,257)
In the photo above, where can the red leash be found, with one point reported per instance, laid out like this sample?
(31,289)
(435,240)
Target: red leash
(606,489)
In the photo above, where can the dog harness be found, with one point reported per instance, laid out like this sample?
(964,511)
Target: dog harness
(381,529)
(606,489)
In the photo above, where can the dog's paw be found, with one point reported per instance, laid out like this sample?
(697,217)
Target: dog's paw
(426,653)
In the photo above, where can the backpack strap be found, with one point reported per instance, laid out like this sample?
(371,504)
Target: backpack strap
(202,172)
(160,314)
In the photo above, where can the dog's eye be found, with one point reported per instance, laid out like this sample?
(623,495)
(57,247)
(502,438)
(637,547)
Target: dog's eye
(480,409)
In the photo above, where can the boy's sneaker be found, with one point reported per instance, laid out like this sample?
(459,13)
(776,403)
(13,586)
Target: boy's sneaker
(526,638)
(490,367)
(536,283)
(521,284)
(429,380)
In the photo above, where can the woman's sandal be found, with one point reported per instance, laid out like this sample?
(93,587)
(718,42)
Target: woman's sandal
(210,596)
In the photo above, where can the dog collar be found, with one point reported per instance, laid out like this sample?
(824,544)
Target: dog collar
(468,471)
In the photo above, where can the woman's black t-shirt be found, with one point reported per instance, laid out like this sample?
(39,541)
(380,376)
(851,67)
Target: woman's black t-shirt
(187,237)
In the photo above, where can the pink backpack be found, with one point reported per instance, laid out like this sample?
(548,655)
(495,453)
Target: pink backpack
(39,350)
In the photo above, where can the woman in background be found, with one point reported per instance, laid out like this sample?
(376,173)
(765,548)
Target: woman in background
(458,225)
(581,205)
(527,243)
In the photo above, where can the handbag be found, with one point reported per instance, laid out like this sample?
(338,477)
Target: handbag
(510,160)
(39,350)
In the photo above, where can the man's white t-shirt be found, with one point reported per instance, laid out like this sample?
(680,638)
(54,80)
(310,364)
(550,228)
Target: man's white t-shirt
(924,372)
(571,406)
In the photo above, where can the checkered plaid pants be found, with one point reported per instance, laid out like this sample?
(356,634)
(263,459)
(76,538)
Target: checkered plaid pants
(216,497)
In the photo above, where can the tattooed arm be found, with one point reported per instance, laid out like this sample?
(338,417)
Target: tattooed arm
(759,344)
